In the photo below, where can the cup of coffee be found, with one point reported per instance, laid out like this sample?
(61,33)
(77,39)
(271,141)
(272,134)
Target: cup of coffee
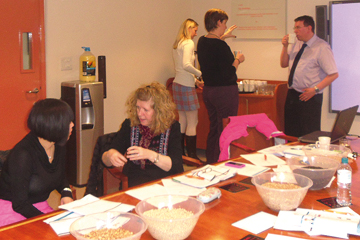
(323,143)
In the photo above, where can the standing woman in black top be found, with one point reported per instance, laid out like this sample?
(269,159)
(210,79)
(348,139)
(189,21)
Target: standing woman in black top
(36,165)
(218,67)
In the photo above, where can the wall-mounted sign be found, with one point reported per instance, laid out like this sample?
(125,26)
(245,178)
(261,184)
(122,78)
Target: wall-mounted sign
(259,19)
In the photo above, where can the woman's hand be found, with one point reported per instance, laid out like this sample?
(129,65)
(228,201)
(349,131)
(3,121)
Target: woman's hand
(114,158)
(228,33)
(199,83)
(138,153)
(66,200)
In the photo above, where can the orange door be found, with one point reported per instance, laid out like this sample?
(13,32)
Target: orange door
(22,66)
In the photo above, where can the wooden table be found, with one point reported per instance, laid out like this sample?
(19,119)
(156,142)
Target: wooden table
(214,223)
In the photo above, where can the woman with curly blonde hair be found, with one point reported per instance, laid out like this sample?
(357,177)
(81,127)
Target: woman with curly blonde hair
(148,143)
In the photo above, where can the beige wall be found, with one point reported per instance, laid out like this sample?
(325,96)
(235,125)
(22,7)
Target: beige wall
(136,37)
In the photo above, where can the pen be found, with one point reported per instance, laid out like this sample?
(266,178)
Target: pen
(265,158)
(64,216)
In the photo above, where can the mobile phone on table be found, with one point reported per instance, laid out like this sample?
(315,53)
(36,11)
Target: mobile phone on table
(235,164)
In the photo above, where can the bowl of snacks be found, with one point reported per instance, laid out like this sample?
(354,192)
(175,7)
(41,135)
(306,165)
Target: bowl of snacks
(319,169)
(280,190)
(170,216)
(332,151)
(108,225)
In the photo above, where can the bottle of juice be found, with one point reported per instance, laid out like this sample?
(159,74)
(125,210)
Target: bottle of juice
(87,66)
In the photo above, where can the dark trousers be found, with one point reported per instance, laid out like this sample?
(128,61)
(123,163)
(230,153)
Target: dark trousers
(221,102)
(302,117)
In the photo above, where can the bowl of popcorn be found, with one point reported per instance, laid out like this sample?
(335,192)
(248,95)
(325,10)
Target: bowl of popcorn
(108,225)
(280,190)
(320,169)
(170,216)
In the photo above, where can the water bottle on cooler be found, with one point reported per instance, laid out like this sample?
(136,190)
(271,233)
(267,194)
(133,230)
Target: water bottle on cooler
(344,174)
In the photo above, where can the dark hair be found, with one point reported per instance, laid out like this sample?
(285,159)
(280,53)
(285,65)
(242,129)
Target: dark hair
(308,21)
(212,16)
(50,119)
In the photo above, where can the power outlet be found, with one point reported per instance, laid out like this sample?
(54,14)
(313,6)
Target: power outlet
(66,64)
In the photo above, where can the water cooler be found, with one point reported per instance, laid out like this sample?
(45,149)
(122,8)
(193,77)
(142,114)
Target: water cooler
(87,101)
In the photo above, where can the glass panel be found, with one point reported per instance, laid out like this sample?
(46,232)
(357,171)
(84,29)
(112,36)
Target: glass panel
(27,54)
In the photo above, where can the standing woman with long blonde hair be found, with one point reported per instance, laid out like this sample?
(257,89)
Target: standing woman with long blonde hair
(183,87)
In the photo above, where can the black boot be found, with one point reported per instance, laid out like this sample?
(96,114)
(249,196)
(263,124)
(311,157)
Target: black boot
(183,143)
(191,147)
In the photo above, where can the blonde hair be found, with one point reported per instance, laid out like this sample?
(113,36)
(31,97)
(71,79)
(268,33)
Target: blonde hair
(184,31)
(162,103)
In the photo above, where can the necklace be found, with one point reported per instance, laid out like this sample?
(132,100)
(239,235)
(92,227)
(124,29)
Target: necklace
(214,35)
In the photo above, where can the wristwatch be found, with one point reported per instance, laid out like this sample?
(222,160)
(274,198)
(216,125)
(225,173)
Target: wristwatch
(157,158)
(317,90)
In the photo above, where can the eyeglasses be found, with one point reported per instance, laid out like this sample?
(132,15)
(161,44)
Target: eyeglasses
(298,27)
(209,173)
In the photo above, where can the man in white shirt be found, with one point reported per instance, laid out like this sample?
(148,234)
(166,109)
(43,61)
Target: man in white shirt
(315,70)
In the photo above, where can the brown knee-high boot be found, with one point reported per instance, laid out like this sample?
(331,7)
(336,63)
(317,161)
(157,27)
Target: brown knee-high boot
(183,143)
(191,147)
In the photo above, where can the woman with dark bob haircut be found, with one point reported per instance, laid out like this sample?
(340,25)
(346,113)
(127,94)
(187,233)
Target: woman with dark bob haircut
(148,144)
(218,66)
(36,165)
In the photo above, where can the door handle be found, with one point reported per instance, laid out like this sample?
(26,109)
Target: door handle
(35,90)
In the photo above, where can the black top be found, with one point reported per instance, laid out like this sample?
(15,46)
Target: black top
(216,59)
(135,174)
(28,177)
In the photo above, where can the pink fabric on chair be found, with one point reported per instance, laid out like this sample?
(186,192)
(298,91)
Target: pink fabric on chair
(237,128)
(9,216)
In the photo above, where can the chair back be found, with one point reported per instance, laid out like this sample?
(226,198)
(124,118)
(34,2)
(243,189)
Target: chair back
(255,140)
(3,156)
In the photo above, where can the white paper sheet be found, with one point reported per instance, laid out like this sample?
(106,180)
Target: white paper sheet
(148,191)
(260,160)
(176,188)
(256,223)
(93,207)
(249,170)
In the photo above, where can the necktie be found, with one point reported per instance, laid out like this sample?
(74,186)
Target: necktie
(297,58)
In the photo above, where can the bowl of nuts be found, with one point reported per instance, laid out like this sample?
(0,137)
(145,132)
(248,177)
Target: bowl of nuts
(108,225)
(170,216)
(280,190)
(319,169)
(331,151)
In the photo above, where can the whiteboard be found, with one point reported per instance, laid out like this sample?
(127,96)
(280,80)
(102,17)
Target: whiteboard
(345,42)
(259,19)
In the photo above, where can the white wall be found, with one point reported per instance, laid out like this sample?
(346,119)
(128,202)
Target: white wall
(136,38)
